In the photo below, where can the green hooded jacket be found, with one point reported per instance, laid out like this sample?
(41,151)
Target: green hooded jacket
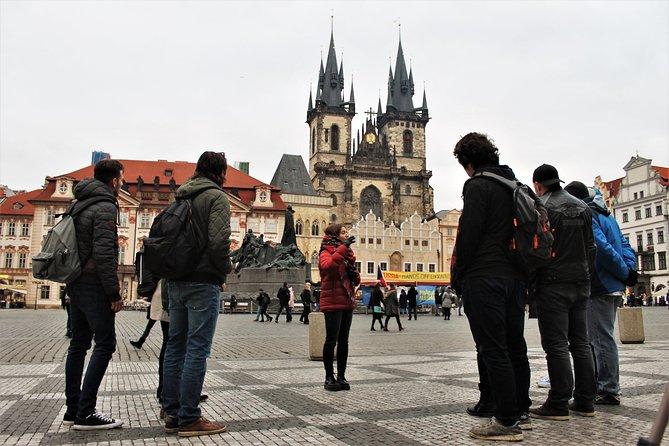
(211,210)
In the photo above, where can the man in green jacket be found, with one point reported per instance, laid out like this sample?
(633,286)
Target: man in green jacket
(194,302)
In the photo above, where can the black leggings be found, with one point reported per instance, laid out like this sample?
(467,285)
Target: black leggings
(377,317)
(147,330)
(165,327)
(337,328)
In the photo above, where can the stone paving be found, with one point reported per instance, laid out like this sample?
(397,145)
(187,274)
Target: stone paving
(408,388)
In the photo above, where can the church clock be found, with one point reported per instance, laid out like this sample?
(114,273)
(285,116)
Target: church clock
(370,138)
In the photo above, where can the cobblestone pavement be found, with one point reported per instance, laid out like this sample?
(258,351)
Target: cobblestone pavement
(408,388)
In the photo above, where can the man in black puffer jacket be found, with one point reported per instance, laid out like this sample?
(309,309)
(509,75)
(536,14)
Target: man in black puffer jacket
(94,295)
(493,291)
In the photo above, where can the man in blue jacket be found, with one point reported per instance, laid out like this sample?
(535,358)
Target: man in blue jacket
(615,264)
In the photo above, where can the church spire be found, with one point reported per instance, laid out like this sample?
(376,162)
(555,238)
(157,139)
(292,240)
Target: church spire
(352,97)
(389,102)
(379,111)
(402,90)
(332,84)
(311,103)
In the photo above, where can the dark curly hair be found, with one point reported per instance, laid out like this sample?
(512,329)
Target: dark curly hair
(476,149)
(212,165)
(107,170)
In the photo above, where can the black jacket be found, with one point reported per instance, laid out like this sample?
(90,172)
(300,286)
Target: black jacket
(574,246)
(482,246)
(97,238)
(412,297)
(403,299)
(306,297)
(376,299)
(284,296)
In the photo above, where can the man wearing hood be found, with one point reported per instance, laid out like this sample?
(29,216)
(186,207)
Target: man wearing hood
(94,295)
(563,288)
(615,268)
(194,302)
(493,291)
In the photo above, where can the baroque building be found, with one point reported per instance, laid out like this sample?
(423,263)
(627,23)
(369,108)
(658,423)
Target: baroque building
(382,166)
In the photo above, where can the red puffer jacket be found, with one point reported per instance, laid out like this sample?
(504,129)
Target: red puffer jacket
(337,291)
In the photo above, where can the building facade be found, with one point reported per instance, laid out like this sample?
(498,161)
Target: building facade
(382,166)
(254,205)
(448,228)
(641,207)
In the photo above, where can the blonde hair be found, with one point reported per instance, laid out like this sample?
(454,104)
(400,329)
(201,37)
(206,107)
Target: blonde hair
(307,286)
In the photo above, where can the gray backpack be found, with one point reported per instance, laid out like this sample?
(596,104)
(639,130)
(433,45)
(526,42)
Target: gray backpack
(58,260)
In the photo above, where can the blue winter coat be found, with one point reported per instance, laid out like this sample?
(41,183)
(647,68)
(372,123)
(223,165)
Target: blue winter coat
(615,257)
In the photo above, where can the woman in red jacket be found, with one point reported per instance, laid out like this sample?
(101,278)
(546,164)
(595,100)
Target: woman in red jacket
(339,280)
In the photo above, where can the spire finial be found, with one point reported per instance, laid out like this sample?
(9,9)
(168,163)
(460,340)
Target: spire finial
(332,21)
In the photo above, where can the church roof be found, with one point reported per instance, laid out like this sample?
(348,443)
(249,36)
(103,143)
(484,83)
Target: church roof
(292,177)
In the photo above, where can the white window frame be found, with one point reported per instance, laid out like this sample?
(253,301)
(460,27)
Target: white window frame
(145,220)
(383,266)
(48,292)
(420,267)
(25,229)
(23,260)
(370,264)
(50,218)
(431,267)
(8,260)
(11,229)
(405,267)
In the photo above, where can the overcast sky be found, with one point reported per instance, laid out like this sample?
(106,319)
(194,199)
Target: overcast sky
(583,86)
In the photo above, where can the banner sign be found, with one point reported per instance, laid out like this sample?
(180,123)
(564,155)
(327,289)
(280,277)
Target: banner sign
(420,278)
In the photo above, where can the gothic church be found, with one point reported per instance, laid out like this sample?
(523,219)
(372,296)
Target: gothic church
(380,167)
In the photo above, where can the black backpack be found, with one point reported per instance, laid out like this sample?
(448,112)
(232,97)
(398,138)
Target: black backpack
(146,281)
(532,241)
(175,243)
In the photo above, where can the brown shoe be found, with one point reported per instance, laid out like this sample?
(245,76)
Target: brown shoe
(202,427)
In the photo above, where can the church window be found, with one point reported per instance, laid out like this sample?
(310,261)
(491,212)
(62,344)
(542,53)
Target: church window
(327,134)
(407,189)
(315,228)
(407,141)
(299,227)
(370,199)
(313,140)
(334,138)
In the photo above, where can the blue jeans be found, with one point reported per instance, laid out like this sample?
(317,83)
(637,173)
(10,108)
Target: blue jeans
(601,319)
(193,315)
(91,317)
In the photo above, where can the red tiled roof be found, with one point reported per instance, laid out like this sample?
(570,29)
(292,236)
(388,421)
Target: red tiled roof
(664,174)
(613,186)
(8,206)
(181,171)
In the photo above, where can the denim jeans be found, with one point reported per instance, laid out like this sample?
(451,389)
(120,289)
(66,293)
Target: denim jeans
(91,317)
(562,311)
(601,319)
(496,314)
(193,316)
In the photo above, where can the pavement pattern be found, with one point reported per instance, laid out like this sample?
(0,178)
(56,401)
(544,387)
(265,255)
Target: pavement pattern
(408,388)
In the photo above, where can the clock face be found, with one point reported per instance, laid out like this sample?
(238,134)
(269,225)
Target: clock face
(370,138)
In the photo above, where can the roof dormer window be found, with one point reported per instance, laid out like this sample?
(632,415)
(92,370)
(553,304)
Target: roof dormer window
(168,172)
(17,206)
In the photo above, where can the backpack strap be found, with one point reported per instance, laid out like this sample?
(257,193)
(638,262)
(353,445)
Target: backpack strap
(81,205)
(511,184)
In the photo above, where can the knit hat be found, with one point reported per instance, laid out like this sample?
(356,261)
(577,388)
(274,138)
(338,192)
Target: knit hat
(578,190)
(546,175)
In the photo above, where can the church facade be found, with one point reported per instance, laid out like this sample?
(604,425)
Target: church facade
(380,167)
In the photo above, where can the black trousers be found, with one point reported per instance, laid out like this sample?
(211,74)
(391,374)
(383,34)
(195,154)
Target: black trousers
(149,325)
(447,313)
(304,317)
(562,311)
(496,314)
(337,328)
(91,317)
(289,313)
(415,314)
(397,318)
(263,314)
(377,317)
(165,328)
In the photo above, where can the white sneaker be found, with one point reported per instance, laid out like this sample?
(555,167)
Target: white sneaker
(544,383)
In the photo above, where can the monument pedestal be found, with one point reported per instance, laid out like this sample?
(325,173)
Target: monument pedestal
(630,325)
(316,335)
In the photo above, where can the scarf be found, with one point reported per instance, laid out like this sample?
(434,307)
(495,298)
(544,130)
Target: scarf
(350,278)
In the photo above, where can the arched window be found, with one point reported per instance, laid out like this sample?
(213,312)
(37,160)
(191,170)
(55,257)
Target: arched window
(334,199)
(313,140)
(407,142)
(315,228)
(334,137)
(299,228)
(370,198)
(407,190)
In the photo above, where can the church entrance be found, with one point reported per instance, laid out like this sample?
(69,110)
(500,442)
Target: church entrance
(396,261)
(370,199)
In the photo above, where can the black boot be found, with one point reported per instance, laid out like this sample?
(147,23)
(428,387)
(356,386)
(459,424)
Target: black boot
(331,384)
(341,380)
(481,409)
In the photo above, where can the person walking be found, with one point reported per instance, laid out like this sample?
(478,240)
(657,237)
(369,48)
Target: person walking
(492,288)
(375,304)
(194,301)
(438,299)
(403,302)
(284,296)
(305,298)
(265,301)
(95,296)
(259,300)
(392,307)
(291,305)
(562,291)
(446,302)
(149,325)
(615,268)
(412,300)
(339,280)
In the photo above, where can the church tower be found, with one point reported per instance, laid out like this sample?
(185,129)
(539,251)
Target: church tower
(329,120)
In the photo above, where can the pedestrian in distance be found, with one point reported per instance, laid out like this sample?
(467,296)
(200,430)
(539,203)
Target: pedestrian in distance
(339,281)
(392,307)
(317,296)
(284,296)
(291,305)
(562,291)
(403,302)
(446,303)
(149,325)
(491,286)
(438,299)
(259,299)
(375,303)
(265,301)
(615,269)
(94,296)
(194,301)
(65,304)
(233,303)
(305,298)
(412,301)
